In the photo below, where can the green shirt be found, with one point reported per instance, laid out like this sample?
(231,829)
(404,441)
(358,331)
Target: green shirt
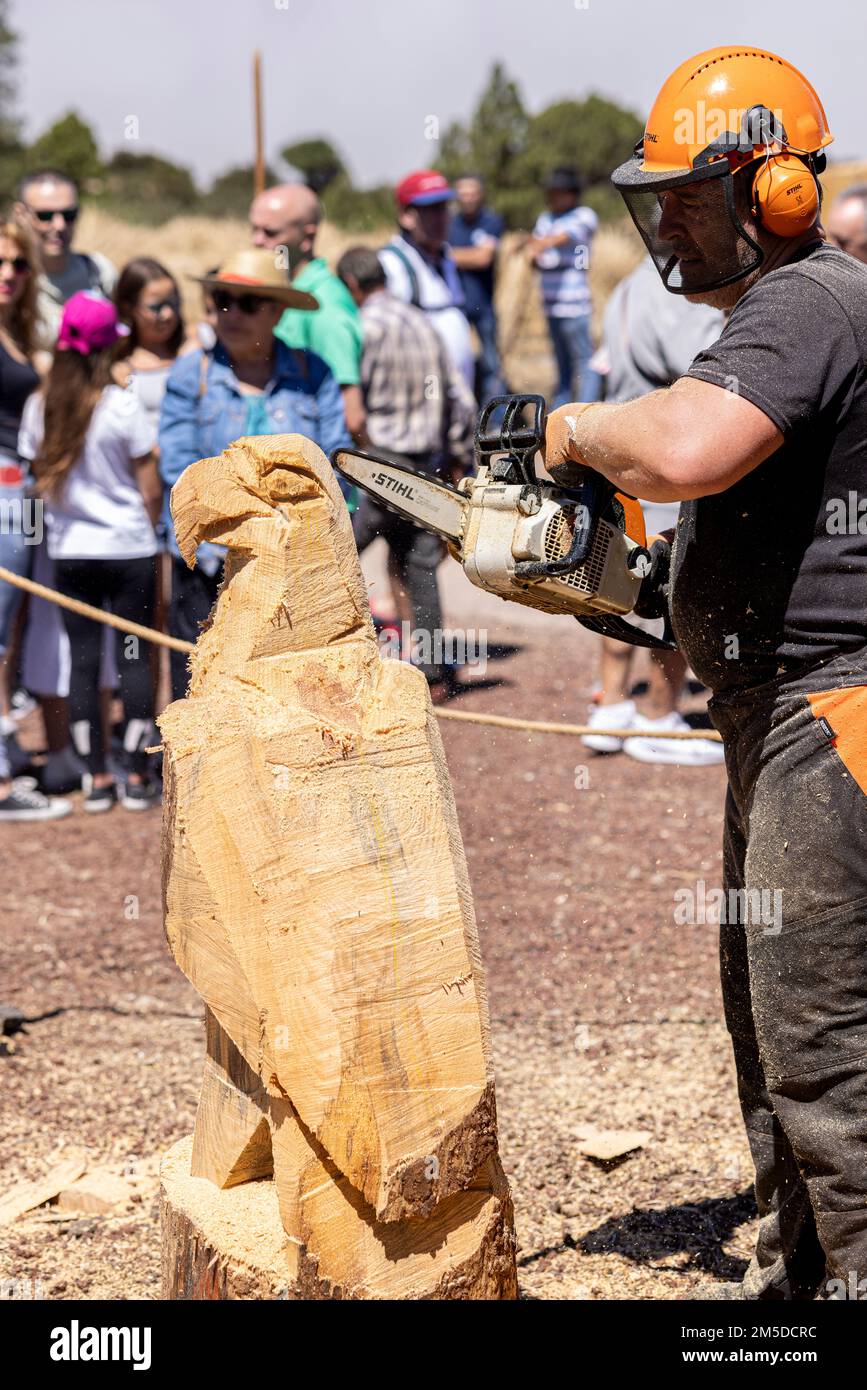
(333,331)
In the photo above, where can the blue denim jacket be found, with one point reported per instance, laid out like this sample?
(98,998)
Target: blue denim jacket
(204,411)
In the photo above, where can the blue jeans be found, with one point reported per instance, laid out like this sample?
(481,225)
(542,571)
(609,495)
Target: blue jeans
(573,348)
(489,377)
(16,554)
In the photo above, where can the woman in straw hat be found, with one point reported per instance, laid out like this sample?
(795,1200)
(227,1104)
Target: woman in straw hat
(248,383)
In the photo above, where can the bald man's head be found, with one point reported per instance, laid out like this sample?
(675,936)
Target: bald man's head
(846,222)
(288,215)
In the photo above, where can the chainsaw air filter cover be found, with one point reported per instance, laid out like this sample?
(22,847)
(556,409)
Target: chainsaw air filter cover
(502,533)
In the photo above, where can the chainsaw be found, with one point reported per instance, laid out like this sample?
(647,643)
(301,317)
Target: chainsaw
(578,550)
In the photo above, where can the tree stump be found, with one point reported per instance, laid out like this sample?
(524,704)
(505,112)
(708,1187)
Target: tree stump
(317,896)
(229,1243)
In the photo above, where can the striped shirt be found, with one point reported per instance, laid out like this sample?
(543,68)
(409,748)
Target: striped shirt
(416,400)
(563,269)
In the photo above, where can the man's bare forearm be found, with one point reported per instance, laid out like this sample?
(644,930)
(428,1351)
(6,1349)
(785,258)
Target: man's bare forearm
(688,440)
(626,445)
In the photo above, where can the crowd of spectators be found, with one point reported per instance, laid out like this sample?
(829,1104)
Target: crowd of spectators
(107,395)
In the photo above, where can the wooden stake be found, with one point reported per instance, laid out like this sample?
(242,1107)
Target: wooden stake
(317,895)
(259,174)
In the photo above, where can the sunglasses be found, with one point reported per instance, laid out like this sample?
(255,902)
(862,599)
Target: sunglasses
(247,303)
(19,264)
(159,305)
(48,214)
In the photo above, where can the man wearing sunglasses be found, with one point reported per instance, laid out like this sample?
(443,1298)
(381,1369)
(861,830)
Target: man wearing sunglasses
(48,203)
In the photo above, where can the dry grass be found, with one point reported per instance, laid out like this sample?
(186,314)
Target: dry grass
(840,176)
(191,245)
(188,246)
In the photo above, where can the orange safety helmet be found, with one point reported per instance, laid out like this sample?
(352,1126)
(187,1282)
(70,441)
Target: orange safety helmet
(717,113)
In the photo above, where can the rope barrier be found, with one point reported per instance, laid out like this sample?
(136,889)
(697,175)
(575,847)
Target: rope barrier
(163,639)
(99,615)
(539,726)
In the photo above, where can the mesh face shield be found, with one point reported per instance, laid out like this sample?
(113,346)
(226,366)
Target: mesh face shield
(690,224)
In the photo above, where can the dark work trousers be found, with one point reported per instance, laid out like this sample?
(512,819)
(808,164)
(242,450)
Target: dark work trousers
(794,974)
(127,588)
(418,554)
(194,594)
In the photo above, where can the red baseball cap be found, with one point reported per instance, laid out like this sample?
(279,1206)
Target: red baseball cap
(423,187)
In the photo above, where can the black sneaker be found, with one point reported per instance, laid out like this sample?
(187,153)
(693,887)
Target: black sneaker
(98,799)
(62,772)
(24,802)
(19,761)
(140,796)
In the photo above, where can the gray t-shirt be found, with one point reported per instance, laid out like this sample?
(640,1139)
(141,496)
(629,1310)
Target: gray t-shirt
(92,272)
(650,336)
(778,561)
(649,339)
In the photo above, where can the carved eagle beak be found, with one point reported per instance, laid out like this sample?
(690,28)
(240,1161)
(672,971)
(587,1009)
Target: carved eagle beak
(212,501)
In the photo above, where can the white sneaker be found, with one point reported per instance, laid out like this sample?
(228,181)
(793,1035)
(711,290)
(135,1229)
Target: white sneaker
(25,803)
(687,752)
(619,716)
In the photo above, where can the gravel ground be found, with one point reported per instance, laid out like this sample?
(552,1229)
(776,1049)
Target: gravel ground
(604,1011)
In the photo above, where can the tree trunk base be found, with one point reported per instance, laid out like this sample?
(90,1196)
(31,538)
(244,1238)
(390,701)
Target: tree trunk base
(230,1243)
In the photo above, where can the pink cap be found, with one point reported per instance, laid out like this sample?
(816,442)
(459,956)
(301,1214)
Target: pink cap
(89,324)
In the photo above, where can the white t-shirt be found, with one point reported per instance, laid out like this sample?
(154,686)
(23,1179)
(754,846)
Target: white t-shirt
(440,296)
(100,513)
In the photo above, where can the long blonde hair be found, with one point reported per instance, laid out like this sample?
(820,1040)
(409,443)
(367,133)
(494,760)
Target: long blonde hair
(23,321)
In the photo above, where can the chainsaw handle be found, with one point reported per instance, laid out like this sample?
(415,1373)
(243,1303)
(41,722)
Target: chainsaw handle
(513,432)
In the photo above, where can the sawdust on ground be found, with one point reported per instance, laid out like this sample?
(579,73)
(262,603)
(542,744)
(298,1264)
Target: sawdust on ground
(605,1012)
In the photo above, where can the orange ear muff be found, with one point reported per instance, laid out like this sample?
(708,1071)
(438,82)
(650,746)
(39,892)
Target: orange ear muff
(785,195)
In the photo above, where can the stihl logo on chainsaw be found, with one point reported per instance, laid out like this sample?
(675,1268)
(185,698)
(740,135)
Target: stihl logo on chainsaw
(394,485)
(517,535)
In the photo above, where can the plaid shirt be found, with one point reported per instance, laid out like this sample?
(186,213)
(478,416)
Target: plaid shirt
(417,402)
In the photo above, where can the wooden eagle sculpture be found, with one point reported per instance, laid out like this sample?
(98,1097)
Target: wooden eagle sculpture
(316,895)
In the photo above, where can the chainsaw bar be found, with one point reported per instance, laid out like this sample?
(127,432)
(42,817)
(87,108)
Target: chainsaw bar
(417,497)
(610,625)
(438,507)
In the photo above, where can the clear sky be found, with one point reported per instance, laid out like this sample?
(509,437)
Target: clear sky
(369,74)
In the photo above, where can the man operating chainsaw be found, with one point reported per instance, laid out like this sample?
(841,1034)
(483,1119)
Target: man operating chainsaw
(766,436)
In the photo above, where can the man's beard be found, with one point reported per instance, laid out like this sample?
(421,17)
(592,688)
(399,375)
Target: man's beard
(726,296)
(726,246)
